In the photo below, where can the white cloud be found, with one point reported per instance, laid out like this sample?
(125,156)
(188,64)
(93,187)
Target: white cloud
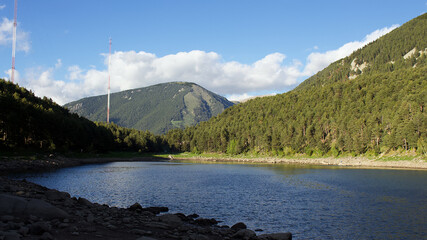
(75,73)
(17,76)
(140,69)
(317,61)
(2,6)
(6,35)
(239,97)
(58,63)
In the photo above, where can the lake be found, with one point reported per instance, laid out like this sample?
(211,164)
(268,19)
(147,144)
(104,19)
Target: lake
(312,202)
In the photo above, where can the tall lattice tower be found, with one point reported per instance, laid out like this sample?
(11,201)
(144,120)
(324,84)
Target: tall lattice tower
(12,77)
(109,74)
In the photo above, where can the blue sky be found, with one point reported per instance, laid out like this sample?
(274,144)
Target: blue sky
(234,48)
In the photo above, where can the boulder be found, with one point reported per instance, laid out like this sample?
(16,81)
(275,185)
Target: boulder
(244,234)
(39,228)
(206,221)
(276,236)
(239,226)
(171,219)
(135,207)
(156,210)
(84,201)
(56,195)
(18,206)
(10,235)
(146,238)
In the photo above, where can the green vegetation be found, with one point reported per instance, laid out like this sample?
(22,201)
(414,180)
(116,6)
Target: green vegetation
(157,108)
(369,103)
(31,123)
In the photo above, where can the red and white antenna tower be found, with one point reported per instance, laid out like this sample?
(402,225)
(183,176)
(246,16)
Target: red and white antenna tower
(109,73)
(12,78)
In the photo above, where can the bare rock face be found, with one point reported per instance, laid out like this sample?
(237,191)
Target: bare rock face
(18,206)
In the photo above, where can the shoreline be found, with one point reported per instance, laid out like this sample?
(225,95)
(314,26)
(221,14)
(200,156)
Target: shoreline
(9,165)
(32,211)
(345,162)
(78,218)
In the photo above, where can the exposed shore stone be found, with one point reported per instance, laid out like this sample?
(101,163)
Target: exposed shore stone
(239,225)
(31,211)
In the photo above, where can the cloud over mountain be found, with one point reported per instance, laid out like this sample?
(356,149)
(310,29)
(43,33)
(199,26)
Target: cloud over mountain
(133,69)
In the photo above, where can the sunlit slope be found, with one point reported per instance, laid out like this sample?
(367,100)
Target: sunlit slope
(157,108)
(372,101)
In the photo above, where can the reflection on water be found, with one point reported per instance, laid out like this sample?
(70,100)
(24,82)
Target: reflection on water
(310,201)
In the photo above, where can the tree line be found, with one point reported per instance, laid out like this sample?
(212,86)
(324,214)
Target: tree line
(30,122)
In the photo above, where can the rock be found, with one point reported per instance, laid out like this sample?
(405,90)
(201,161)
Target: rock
(39,228)
(90,218)
(63,225)
(84,201)
(6,218)
(198,237)
(135,207)
(276,236)
(171,219)
(156,210)
(126,220)
(56,195)
(24,230)
(159,225)
(206,222)
(140,232)
(146,238)
(239,226)
(193,216)
(11,236)
(18,206)
(244,234)
(46,236)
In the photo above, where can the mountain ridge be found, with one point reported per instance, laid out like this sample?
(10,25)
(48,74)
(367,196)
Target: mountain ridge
(370,102)
(157,108)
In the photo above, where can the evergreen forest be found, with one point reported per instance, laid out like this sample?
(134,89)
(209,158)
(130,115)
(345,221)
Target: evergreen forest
(28,122)
(370,102)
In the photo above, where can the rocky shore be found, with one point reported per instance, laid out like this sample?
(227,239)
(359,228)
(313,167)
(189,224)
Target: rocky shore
(10,165)
(355,162)
(31,211)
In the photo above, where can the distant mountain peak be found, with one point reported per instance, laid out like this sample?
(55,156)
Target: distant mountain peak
(157,108)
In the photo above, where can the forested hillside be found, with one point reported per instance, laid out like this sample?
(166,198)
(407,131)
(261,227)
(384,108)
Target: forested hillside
(29,122)
(372,101)
(157,108)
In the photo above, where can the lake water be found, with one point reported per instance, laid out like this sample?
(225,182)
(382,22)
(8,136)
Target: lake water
(311,202)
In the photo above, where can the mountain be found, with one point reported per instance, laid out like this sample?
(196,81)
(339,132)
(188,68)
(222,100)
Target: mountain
(157,108)
(370,102)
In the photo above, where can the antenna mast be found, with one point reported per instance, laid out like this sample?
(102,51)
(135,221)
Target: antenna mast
(14,43)
(109,73)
